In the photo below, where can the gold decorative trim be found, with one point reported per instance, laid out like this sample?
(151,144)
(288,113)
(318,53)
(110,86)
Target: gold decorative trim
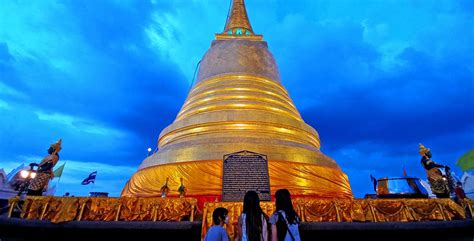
(238,106)
(233,77)
(272,129)
(245,37)
(244,97)
(234,89)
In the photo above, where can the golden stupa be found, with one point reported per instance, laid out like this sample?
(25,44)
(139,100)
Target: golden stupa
(238,103)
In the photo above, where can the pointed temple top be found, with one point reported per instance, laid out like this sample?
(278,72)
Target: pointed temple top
(238,21)
(238,24)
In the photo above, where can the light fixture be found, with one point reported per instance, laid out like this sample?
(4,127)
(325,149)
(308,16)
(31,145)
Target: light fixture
(24,173)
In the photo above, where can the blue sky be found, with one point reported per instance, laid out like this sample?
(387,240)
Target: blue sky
(375,78)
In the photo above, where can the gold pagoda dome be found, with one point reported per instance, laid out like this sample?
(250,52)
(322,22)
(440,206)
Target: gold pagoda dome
(238,103)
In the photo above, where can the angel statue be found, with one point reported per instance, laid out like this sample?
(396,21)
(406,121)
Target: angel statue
(165,189)
(39,184)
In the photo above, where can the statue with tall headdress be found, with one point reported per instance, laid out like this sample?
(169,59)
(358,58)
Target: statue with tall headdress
(441,184)
(45,171)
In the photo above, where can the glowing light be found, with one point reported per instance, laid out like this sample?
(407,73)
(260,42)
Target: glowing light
(24,173)
(149,149)
(32,174)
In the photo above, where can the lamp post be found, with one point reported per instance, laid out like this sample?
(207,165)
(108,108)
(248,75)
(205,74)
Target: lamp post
(149,151)
(26,176)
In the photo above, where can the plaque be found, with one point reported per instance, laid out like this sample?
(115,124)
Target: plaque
(245,171)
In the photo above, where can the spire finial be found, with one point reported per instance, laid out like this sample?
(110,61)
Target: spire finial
(238,22)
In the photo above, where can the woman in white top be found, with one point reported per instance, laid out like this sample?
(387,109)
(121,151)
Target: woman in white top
(252,225)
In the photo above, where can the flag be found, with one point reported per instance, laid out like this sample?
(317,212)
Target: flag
(466,162)
(14,172)
(59,171)
(90,178)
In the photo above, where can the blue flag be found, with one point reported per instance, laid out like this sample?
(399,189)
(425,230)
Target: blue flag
(90,178)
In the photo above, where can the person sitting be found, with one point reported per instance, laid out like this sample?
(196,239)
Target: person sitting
(285,222)
(252,224)
(217,232)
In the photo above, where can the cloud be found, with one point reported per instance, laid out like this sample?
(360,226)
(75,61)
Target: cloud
(5,55)
(8,91)
(78,124)
(4,105)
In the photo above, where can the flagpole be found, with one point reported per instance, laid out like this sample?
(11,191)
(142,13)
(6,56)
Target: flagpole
(92,188)
(59,179)
(89,179)
(57,184)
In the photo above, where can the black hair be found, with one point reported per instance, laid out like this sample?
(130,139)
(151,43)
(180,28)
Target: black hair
(50,150)
(283,202)
(219,215)
(253,213)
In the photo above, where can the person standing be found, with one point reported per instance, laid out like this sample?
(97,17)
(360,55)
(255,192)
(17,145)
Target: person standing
(217,232)
(285,222)
(252,224)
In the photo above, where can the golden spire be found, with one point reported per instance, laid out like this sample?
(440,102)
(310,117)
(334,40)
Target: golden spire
(238,25)
(238,22)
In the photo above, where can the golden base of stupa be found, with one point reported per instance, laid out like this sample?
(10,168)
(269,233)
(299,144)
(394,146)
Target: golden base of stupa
(203,180)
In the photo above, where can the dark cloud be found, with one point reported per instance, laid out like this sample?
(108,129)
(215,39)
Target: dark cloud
(425,99)
(128,84)
(119,82)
